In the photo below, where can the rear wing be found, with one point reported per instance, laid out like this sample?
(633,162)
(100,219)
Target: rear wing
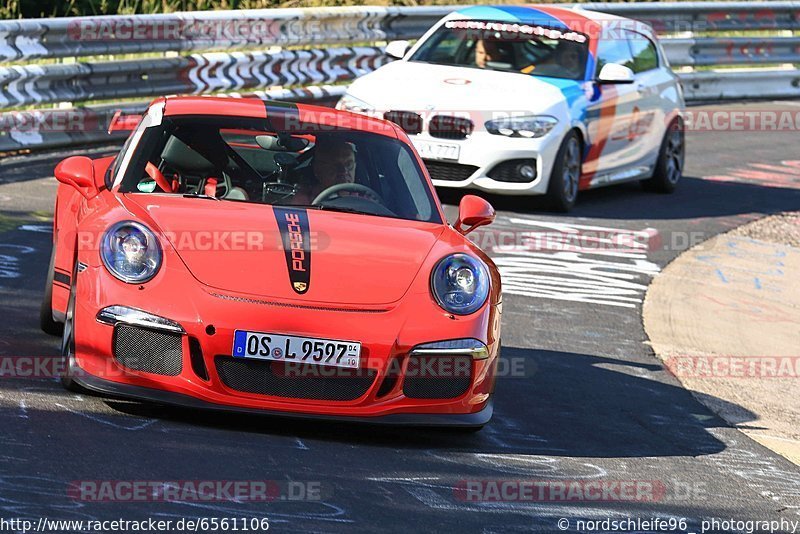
(122,122)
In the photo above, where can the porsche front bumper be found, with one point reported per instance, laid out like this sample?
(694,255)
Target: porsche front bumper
(199,326)
(127,391)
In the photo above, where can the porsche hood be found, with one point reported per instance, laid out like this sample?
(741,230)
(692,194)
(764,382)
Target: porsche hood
(292,253)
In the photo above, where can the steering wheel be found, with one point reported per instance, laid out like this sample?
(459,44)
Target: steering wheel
(334,191)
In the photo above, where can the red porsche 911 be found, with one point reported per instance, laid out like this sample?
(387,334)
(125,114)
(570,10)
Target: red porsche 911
(275,258)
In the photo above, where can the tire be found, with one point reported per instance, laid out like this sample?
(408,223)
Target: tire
(46,321)
(562,190)
(68,341)
(671,156)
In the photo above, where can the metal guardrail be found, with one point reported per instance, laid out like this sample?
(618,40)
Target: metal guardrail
(194,74)
(732,85)
(219,71)
(732,51)
(210,30)
(236,50)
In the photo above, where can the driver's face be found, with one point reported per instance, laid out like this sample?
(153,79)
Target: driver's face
(484,52)
(335,165)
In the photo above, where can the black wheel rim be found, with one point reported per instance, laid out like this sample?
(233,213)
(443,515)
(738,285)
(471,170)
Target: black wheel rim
(674,154)
(572,169)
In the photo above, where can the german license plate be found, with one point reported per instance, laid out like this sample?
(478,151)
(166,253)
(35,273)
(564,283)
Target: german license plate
(281,348)
(432,150)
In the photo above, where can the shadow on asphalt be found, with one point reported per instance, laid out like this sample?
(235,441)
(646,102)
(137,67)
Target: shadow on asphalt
(694,198)
(572,405)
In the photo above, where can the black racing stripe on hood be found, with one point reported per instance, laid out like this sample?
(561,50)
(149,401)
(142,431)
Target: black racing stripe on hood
(295,234)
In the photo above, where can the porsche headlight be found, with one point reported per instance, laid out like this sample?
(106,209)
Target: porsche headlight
(530,126)
(351,103)
(131,252)
(460,284)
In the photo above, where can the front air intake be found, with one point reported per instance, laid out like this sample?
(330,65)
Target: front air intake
(142,349)
(451,172)
(447,127)
(437,376)
(296,381)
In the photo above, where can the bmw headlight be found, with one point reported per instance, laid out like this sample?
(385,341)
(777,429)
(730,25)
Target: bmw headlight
(460,284)
(131,252)
(530,127)
(351,103)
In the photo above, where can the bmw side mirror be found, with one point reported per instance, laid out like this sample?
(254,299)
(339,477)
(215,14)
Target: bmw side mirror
(78,172)
(614,73)
(397,49)
(473,211)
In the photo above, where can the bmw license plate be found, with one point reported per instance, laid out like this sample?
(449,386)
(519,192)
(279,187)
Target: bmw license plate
(280,348)
(431,150)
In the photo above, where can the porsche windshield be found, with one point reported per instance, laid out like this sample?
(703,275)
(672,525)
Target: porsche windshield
(527,49)
(241,160)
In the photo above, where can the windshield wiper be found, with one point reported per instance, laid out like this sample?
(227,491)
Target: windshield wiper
(324,207)
(340,208)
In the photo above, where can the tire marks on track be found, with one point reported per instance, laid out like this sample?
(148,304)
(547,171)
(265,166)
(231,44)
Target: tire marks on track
(571,261)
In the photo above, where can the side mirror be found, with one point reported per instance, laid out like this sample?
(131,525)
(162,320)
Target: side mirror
(78,172)
(397,49)
(614,73)
(473,212)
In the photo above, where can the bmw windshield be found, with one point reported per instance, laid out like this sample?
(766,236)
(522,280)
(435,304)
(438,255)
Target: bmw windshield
(522,48)
(237,159)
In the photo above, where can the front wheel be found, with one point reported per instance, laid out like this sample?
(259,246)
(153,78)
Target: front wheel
(68,342)
(567,167)
(669,166)
(46,321)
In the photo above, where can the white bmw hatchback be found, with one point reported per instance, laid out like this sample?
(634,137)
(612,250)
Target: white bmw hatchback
(533,100)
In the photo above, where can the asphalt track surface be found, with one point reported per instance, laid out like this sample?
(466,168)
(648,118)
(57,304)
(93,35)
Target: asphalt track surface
(594,404)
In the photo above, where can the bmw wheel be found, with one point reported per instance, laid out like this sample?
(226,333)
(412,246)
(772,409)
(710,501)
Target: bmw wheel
(564,178)
(669,167)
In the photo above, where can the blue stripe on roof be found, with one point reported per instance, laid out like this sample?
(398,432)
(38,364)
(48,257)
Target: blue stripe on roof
(527,15)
